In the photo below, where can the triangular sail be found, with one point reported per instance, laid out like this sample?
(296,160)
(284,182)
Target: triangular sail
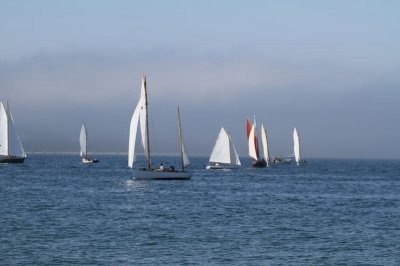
(8,136)
(252,144)
(233,154)
(296,140)
(185,157)
(138,115)
(264,141)
(3,130)
(220,152)
(248,127)
(83,141)
(252,139)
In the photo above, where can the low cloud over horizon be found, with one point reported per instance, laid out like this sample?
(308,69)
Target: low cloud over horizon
(340,112)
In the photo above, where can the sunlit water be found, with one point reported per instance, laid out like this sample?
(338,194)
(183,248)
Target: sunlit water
(56,211)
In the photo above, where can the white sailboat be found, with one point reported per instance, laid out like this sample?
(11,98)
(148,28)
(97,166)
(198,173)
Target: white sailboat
(83,143)
(224,155)
(140,116)
(296,146)
(252,139)
(11,150)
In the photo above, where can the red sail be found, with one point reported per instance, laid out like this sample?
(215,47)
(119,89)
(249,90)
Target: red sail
(249,126)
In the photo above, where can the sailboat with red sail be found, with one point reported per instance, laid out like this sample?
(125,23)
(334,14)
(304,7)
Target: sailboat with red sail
(252,139)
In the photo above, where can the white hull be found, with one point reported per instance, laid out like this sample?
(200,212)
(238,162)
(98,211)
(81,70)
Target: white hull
(84,160)
(161,175)
(218,167)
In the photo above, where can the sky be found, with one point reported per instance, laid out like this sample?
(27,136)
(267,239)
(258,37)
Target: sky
(329,68)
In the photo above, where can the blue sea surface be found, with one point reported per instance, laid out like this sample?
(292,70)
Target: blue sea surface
(56,211)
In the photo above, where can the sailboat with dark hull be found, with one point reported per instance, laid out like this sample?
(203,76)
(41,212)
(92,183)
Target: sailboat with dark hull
(140,116)
(11,150)
(252,139)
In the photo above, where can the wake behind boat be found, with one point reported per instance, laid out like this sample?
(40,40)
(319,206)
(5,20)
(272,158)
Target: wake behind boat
(224,153)
(11,150)
(140,116)
(84,150)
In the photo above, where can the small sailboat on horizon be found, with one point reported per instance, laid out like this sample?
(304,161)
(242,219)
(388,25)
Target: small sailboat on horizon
(83,143)
(296,146)
(140,116)
(224,155)
(11,150)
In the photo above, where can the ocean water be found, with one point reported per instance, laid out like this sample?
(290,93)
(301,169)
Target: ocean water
(56,211)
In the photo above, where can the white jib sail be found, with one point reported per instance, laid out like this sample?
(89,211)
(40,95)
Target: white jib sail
(233,154)
(186,161)
(296,140)
(185,157)
(83,141)
(264,140)
(3,130)
(221,150)
(252,144)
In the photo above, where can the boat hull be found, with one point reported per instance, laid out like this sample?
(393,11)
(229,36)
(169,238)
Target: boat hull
(12,159)
(220,167)
(281,161)
(259,164)
(89,160)
(161,175)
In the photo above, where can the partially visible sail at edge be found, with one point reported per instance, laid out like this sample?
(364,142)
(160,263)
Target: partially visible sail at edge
(10,144)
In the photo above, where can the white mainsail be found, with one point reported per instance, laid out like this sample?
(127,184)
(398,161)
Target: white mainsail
(296,140)
(224,150)
(137,115)
(252,144)
(264,140)
(10,144)
(83,141)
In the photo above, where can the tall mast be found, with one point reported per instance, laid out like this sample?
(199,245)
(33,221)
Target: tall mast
(147,125)
(180,139)
(8,128)
(256,138)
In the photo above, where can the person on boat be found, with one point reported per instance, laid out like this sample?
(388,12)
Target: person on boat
(172,168)
(161,167)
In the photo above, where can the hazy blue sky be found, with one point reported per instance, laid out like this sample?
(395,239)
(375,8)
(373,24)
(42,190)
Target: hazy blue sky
(330,68)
